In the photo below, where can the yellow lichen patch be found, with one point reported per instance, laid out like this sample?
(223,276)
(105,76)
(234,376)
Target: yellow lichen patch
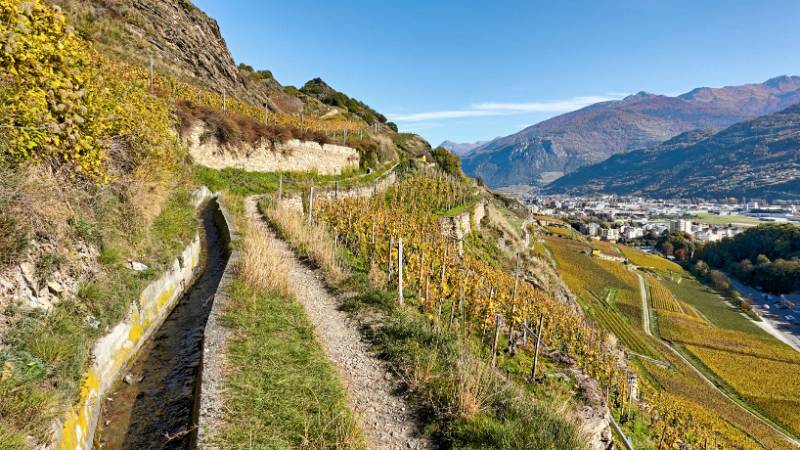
(165,297)
(77,426)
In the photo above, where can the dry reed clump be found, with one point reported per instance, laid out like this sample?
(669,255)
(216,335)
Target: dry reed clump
(234,129)
(39,201)
(473,387)
(376,276)
(313,241)
(262,266)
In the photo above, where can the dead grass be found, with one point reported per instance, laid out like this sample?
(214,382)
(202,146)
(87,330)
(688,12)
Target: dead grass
(376,276)
(312,241)
(236,130)
(262,267)
(40,202)
(472,381)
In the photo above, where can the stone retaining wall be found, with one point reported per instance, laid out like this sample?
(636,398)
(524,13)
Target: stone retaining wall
(292,156)
(459,226)
(295,201)
(113,352)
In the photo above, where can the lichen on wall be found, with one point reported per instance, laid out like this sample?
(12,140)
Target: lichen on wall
(113,352)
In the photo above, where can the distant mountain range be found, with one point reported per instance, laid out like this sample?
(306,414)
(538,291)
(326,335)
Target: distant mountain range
(563,144)
(755,158)
(461,148)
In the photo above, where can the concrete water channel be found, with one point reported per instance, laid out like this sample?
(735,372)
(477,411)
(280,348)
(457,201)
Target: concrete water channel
(155,405)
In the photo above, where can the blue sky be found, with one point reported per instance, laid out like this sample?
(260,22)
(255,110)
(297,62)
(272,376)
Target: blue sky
(476,70)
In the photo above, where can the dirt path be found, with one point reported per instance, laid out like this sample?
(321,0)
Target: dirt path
(645,307)
(386,418)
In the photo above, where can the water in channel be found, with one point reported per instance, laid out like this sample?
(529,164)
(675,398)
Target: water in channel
(157,410)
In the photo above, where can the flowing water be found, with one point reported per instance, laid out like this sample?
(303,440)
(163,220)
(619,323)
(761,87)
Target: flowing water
(158,411)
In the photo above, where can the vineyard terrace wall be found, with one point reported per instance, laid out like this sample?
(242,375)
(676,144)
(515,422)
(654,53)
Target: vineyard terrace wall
(298,202)
(292,156)
(459,226)
(113,352)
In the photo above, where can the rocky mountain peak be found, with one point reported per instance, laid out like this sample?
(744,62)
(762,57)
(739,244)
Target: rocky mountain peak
(639,96)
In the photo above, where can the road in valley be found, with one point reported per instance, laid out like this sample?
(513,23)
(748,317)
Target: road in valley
(774,312)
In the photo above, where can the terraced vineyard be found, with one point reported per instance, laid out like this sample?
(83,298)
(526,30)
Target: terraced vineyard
(661,298)
(769,384)
(690,315)
(611,319)
(606,247)
(643,259)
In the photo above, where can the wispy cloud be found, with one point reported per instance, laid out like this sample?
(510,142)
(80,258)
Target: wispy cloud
(502,109)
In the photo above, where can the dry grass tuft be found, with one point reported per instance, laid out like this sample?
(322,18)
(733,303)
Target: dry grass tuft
(312,241)
(472,383)
(262,266)
(40,201)
(376,276)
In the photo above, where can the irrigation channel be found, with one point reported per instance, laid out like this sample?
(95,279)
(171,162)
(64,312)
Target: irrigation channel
(155,408)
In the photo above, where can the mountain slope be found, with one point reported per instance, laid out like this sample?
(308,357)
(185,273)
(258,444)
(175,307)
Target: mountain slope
(564,143)
(760,157)
(461,148)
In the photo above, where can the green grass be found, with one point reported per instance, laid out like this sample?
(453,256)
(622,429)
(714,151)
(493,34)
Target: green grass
(456,210)
(715,309)
(713,219)
(283,391)
(49,352)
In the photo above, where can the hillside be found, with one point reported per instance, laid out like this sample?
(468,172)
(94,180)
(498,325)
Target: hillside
(187,44)
(461,148)
(760,158)
(181,269)
(542,152)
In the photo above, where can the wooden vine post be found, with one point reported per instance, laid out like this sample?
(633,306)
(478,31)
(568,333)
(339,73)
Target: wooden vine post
(389,257)
(310,205)
(497,325)
(421,266)
(152,75)
(372,253)
(400,271)
(280,186)
(539,330)
(513,305)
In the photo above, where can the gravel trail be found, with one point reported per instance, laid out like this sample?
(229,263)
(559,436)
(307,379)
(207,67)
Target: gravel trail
(387,419)
(645,306)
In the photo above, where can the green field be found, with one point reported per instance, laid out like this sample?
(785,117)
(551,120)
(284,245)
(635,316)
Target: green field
(718,311)
(713,219)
